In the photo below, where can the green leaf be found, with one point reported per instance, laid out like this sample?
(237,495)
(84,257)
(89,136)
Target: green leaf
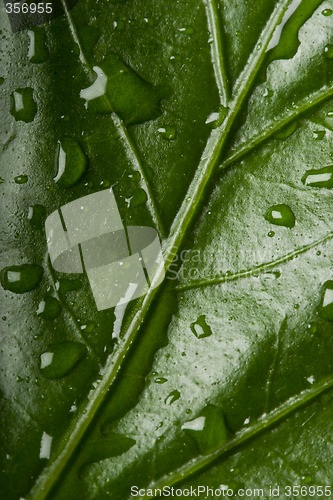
(212,124)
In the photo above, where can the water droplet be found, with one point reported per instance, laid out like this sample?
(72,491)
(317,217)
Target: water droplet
(36,215)
(1,80)
(119,25)
(286,132)
(319,134)
(120,89)
(281,215)
(88,327)
(60,359)
(45,446)
(172,397)
(49,308)
(216,118)
(200,328)
(21,179)
(321,178)
(325,310)
(271,234)
(71,163)
(160,380)
(23,107)
(208,429)
(187,30)
(38,52)
(21,279)
(139,197)
(167,132)
(135,176)
(328,51)
(327,12)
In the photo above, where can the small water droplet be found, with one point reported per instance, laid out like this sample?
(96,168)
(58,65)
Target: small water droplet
(88,327)
(325,309)
(208,429)
(22,106)
(60,359)
(319,135)
(160,380)
(172,397)
(281,215)
(321,178)
(1,80)
(38,52)
(139,198)
(187,30)
(328,51)
(21,179)
(49,308)
(168,132)
(36,215)
(71,163)
(327,12)
(21,279)
(200,328)
(271,234)
(268,92)
(286,131)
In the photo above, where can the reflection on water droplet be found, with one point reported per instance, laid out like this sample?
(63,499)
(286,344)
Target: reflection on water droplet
(45,446)
(21,179)
(281,215)
(36,215)
(49,308)
(71,163)
(60,359)
(200,328)
(22,105)
(319,134)
(160,380)
(321,178)
(21,279)
(327,12)
(325,309)
(328,51)
(187,30)
(208,429)
(172,397)
(120,89)
(38,52)
(167,132)
(139,197)
(286,132)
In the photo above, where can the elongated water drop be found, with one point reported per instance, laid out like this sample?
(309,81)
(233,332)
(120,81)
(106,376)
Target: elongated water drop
(60,359)
(49,308)
(21,179)
(160,380)
(172,397)
(22,105)
(208,429)
(200,328)
(36,215)
(281,215)
(139,198)
(321,177)
(21,279)
(325,309)
(327,12)
(71,163)
(286,131)
(38,52)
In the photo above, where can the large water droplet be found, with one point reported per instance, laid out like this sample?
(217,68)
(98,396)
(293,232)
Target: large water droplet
(120,89)
(71,163)
(49,308)
(208,429)
(172,397)
(321,178)
(36,215)
(60,359)
(38,52)
(281,215)
(21,279)
(200,328)
(22,105)
(328,51)
(325,309)
(139,198)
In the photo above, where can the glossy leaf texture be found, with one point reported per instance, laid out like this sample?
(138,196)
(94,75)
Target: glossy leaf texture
(213,124)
